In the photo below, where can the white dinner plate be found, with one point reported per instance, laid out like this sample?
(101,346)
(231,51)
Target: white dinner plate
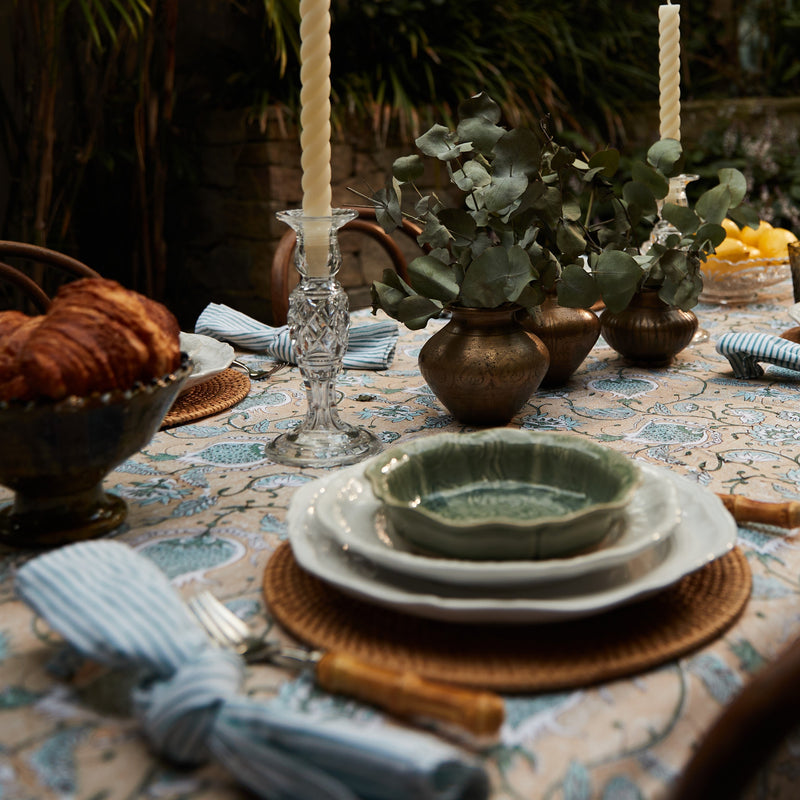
(705,532)
(354,517)
(209,356)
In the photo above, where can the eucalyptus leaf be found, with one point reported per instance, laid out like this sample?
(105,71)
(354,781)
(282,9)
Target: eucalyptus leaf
(591,174)
(674,264)
(504,191)
(549,205)
(683,218)
(387,208)
(562,157)
(495,277)
(480,105)
(531,297)
(711,233)
(471,176)
(517,152)
(434,233)
(570,241)
(392,279)
(605,160)
(460,225)
(714,204)
(414,312)
(481,133)
(439,142)
(736,182)
(408,168)
(654,180)
(682,294)
(744,215)
(430,277)
(571,210)
(386,297)
(618,276)
(640,199)
(666,155)
(577,288)
(478,118)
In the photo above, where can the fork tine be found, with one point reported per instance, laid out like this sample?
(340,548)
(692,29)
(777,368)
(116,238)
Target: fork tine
(219,621)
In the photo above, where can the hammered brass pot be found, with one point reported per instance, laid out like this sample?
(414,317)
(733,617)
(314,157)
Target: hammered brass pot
(648,331)
(568,334)
(483,366)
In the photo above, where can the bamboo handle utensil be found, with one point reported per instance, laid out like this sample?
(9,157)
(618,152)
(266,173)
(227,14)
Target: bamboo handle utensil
(401,692)
(408,695)
(781,514)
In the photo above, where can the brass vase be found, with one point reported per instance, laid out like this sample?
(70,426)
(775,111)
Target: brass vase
(568,334)
(648,331)
(482,365)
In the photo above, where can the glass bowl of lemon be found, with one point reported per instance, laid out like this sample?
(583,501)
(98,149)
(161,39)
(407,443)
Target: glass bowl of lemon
(748,261)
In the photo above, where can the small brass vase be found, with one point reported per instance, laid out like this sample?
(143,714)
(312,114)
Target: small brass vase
(568,334)
(483,366)
(648,331)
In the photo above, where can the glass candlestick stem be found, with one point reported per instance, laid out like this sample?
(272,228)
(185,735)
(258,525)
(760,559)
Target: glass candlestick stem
(319,325)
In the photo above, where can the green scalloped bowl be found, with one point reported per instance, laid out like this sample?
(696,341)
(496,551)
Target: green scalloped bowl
(503,493)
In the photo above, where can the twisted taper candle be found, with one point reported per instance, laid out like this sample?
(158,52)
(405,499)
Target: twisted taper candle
(669,59)
(315,133)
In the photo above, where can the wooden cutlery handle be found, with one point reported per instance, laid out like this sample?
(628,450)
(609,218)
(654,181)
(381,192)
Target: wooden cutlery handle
(783,515)
(408,695)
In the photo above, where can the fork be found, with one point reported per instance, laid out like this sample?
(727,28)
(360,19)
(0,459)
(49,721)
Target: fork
(261,374)
(402,693)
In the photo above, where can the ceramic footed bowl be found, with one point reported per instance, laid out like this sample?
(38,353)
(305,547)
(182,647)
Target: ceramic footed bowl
(55,455)
(503,493)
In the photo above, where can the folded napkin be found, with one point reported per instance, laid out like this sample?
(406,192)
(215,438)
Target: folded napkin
(116,607)
(745,350)
(371,344)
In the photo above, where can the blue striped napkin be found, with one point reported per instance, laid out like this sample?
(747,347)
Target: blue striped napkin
(371,344)
(115,606)
(745,350)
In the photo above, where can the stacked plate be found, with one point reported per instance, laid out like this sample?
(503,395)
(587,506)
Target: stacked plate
(209,357)
(341,533)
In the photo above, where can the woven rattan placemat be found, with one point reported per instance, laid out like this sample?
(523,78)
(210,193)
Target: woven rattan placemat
(221,391)
(504,657)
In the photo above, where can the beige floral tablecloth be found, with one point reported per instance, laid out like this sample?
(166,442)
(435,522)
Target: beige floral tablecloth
(208,506)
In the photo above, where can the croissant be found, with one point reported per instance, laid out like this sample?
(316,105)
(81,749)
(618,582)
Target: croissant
(96,336)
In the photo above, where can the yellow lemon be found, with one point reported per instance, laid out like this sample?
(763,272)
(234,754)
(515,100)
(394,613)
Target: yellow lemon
(773,243)
(731,255)
(750,235)
(731,228)
(732,250)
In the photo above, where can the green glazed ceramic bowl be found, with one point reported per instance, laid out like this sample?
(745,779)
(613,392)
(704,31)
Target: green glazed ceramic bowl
(503,493)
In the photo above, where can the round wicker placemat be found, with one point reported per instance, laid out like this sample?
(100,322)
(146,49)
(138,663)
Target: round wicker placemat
(221,391)
(617,643)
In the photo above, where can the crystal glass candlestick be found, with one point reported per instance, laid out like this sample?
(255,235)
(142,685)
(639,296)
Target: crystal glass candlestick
(319,323)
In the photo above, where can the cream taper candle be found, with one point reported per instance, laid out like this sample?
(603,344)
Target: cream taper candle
(315,129)
(669,69)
